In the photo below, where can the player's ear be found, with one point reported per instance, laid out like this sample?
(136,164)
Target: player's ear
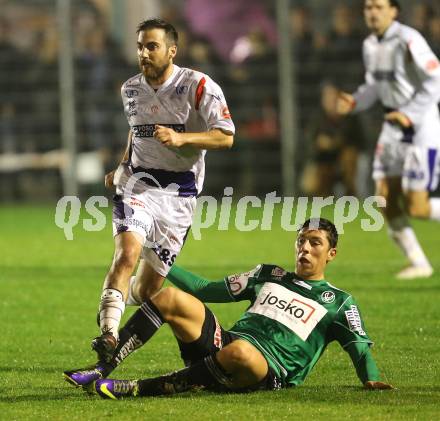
(331,254)
(172,51)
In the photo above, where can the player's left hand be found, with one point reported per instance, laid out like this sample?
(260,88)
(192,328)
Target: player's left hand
(399,118)
(167,136)
(370,385)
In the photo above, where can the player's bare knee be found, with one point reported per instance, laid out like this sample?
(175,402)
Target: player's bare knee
(238,353)
(166,302)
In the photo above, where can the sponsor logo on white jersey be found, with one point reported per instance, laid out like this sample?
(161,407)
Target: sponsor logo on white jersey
(238,282)
(298,313)
(354,320)
(278,272)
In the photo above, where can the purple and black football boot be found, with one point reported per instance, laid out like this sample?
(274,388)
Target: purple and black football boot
(84,376)
(114,389)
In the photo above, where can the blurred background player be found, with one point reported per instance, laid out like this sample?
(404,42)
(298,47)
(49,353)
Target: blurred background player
(404,75)
(334,144)
(274,344)
(174,115)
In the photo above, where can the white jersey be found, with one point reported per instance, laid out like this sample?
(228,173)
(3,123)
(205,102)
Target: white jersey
(403,73)
(188,101)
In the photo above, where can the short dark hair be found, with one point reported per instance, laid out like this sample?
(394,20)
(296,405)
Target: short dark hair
(392,3)
(324,225)
(170,30)
(396,4)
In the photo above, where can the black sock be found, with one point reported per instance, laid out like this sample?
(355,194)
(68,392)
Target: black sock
(207,372)
(136,332)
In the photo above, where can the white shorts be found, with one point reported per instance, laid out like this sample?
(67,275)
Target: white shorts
(418,166)
(159,216)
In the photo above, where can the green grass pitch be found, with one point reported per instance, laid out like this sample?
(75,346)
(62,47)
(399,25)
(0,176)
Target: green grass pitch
(49,290)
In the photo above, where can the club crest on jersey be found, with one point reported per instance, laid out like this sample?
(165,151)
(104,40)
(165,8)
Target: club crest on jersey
(130,93)
(328,297)
(180,90)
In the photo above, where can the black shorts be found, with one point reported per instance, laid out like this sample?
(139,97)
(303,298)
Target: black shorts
(212,339)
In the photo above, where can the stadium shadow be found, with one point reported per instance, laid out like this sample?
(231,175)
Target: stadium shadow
(405,396)
(319,395)
(54,370)
(55,396)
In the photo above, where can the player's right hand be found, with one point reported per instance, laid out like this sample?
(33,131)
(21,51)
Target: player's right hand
(109,179)
(345,103)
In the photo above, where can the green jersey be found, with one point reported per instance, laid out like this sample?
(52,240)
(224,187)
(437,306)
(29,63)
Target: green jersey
(291,321)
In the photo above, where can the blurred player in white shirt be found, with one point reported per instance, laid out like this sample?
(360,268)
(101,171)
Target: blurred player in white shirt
(174,115)
(404,75)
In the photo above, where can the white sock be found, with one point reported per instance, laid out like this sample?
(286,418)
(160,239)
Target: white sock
(435,208)
(406,239)
(131,299)
(111,309)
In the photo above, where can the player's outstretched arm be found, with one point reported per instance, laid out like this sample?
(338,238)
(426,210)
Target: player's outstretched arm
(203,289)
(366,368)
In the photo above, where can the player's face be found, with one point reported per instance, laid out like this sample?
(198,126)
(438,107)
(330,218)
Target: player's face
(155,56)
(313,252)
(379,15)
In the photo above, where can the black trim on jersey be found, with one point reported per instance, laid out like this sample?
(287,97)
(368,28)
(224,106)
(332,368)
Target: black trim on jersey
(147,130)
(185,180)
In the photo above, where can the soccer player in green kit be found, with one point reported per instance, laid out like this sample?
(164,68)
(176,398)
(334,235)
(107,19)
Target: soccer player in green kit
(292,317)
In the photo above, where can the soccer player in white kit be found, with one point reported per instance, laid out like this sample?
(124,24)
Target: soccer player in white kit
(404,75)
(174,115)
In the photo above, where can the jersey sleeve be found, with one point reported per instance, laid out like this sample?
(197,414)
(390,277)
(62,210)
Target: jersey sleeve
(363,361)
(203,289)
(348,326)
(241,286)
(349,331)
(427,68)
(366,95)
(211,104)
